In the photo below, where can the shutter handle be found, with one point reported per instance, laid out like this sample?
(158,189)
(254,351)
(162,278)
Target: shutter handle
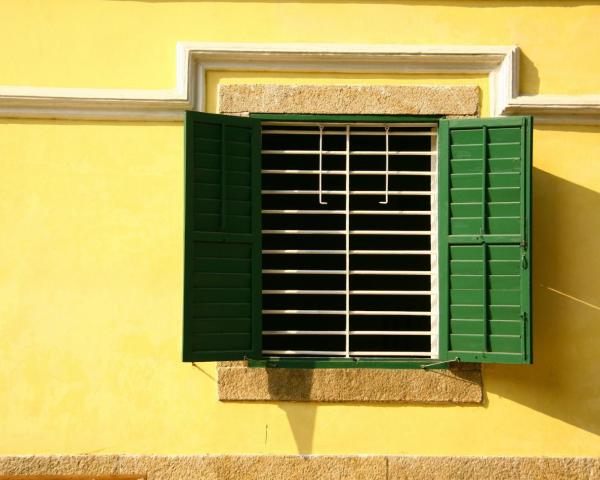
(443,362)
(524,255)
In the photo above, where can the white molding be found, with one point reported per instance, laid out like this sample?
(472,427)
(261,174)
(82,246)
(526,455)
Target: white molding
(500,63)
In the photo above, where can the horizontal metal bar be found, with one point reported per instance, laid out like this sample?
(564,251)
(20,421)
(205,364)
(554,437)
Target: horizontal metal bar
(390,292)
(343,192)
(353,212)
(419,173)
(303,312)
(384,313)
(342,252)
(303,192)
(340,133)
(393,152)
(304,352)
(391,192)
(303,252)
(302,172)
(343,172)
(355,152)
(390,252)
(304,292)
(391,354)
(269,123)
(391,332)
(352,232)
(352,332)
(305,272)
(390,212)
(305,212)
(390,232)
(303,332)
(304,232)
(303,152)
(301,132)
(390,272)
(394,313)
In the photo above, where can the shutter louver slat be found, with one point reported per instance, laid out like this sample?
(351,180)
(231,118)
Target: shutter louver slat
(485,222)
(222,280)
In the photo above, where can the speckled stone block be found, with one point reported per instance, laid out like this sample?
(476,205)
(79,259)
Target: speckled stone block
(197,467)
(485,468)
(461,384)
(350,99)
(294,467)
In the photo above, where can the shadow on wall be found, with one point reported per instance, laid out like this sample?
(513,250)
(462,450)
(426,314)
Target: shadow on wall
(564,381)
(529,75)
(301,416)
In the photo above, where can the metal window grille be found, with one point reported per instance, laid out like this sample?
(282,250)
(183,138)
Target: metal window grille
(350,239)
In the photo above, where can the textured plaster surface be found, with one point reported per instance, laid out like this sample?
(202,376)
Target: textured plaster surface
(457,385)
(296,467)
(350,99)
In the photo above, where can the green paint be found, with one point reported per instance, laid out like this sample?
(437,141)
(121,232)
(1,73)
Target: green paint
(484,240)
(222,267)
(275,117)
(485,274)
(305,362)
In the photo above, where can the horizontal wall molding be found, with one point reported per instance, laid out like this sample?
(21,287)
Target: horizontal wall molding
(293,467)
(194,60)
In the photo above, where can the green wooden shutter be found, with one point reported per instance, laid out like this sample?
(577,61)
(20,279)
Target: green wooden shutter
(222,267)
(485,239)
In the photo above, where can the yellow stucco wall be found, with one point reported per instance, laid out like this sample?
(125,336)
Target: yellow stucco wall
(92,220)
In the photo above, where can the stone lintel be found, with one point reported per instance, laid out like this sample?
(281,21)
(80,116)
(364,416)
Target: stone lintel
(350,99)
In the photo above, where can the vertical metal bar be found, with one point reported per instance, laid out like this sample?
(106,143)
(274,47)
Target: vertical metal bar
(347,240)
(321,202)
(434,278)
(223,178)
(387,164)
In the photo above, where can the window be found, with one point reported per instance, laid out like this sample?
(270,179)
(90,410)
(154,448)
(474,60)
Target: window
(362,248)
(347,239)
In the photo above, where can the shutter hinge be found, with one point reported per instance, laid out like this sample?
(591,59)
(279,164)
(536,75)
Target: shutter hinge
(523,245)
(524,334)
(444,362)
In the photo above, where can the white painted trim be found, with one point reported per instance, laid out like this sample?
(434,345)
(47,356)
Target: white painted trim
(500,63)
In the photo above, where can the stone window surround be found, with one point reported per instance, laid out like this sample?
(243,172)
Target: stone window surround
(459,384)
